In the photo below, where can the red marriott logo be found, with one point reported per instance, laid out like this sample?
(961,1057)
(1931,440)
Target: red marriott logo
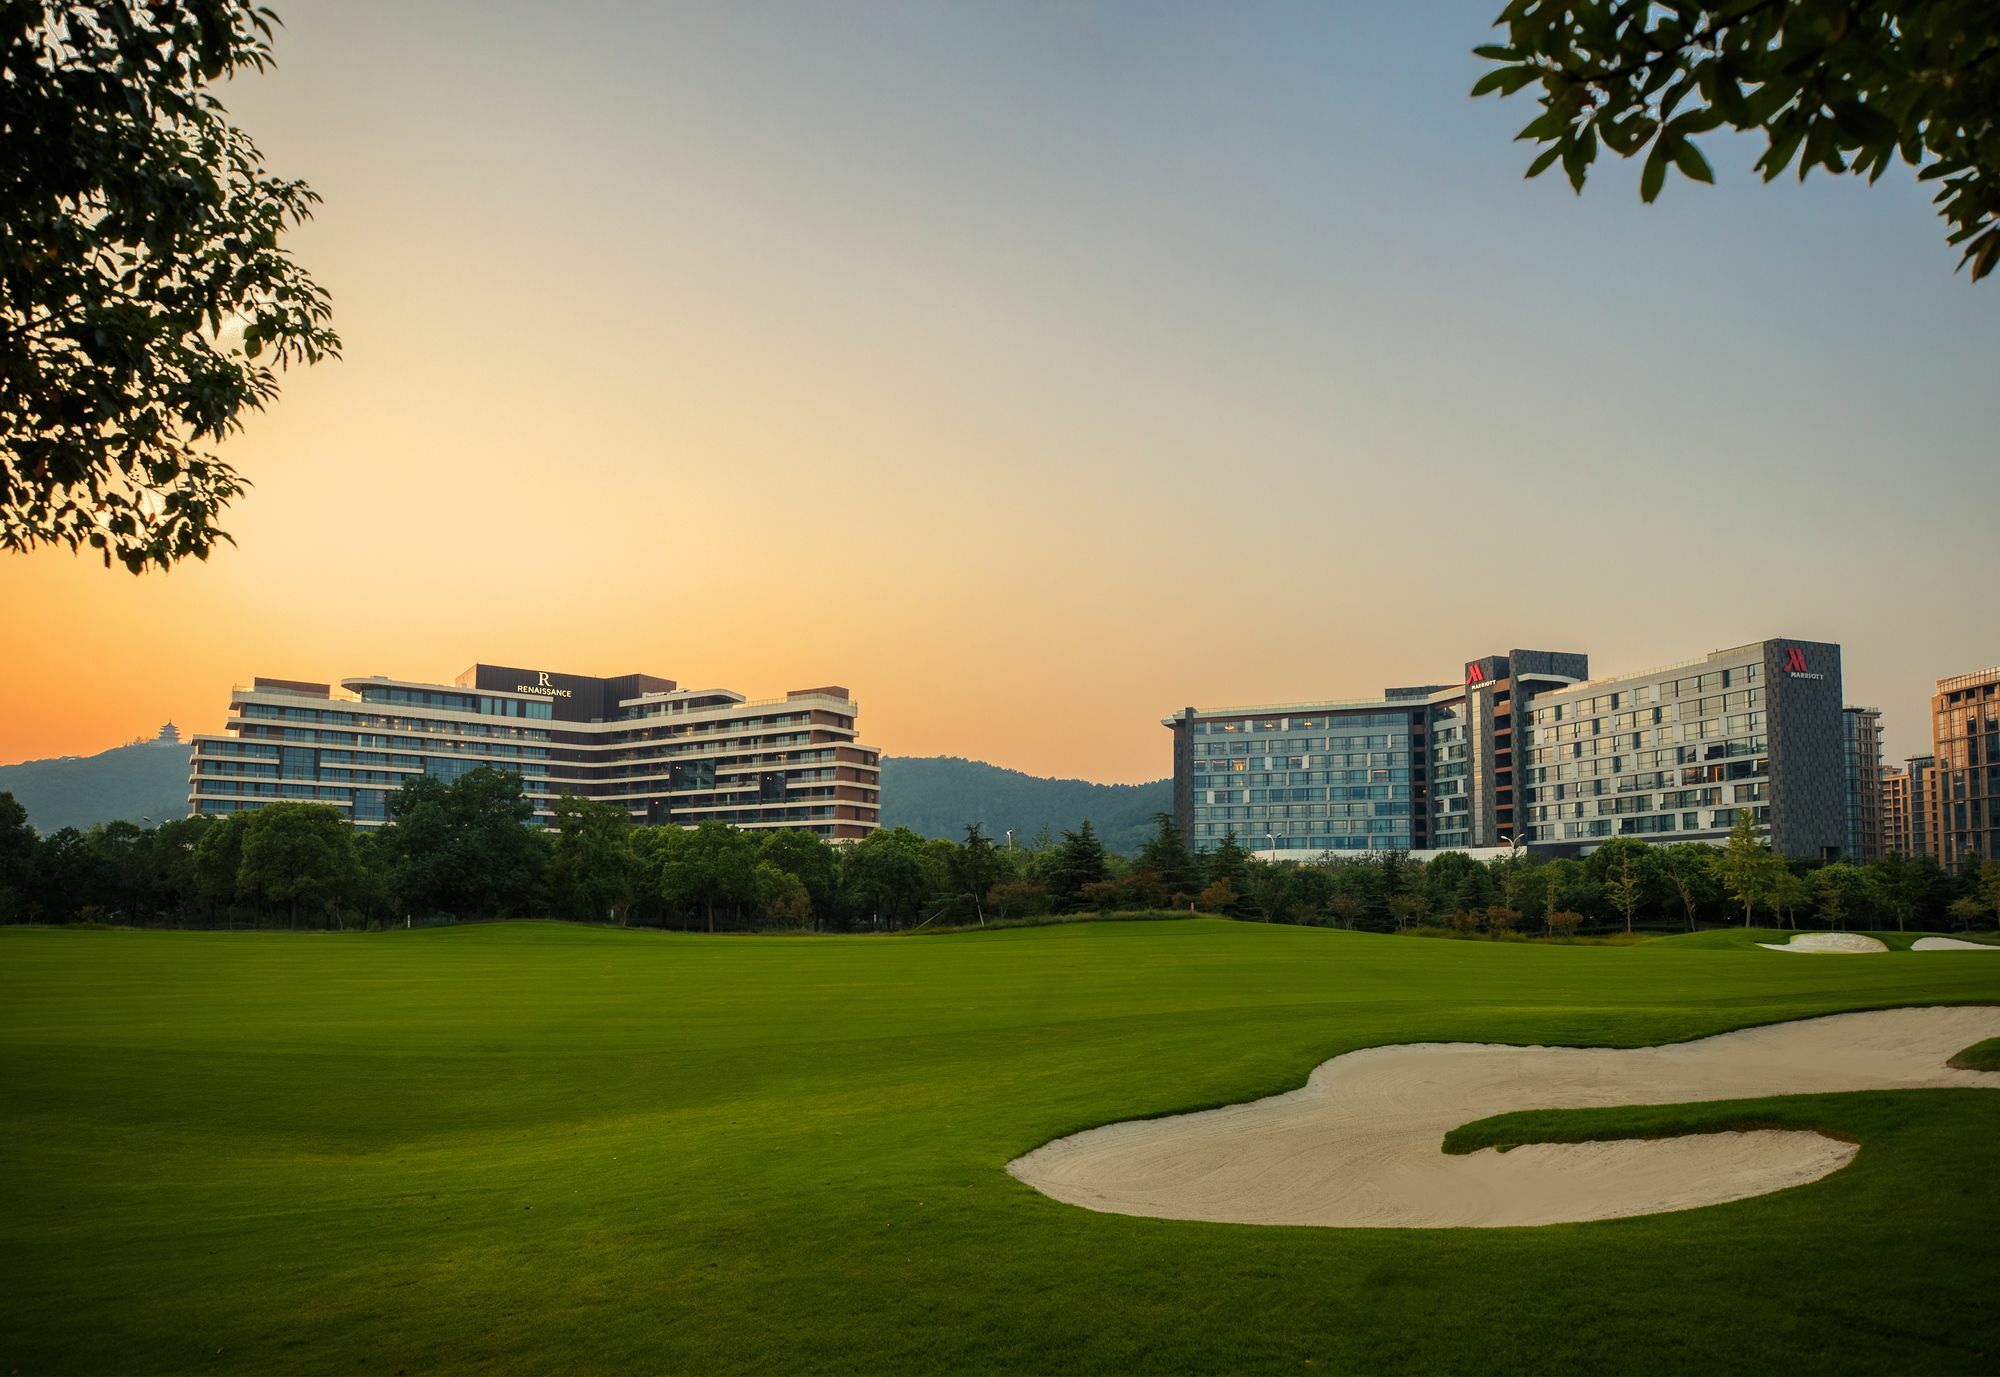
(1795,665)
(1476,673)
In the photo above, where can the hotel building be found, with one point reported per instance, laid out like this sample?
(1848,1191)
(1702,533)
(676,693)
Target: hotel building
(1861,754)
(1964,800)
(665,754)
(1528,749)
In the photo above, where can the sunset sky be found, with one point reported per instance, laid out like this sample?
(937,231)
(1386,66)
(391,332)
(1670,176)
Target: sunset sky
(1035,370)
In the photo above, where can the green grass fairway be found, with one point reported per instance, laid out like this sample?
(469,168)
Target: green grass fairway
(535,1148)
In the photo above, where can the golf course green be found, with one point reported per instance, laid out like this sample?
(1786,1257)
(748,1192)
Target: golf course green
(543,1148)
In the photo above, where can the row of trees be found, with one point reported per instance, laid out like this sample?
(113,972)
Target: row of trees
(462,849)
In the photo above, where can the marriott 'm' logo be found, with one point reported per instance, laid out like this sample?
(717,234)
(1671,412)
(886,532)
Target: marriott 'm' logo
(1475,673)
(1795,665)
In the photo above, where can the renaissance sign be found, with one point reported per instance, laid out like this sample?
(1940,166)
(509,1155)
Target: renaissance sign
(544,687)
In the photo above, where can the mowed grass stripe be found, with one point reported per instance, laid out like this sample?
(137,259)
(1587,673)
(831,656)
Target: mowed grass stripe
(527,1147)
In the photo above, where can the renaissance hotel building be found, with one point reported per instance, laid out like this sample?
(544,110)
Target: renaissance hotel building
(1529,750)
(665,754)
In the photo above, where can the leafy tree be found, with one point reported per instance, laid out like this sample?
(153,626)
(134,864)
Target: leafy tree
(591,866)
(1501,920)
(976,868)
(1449,873)
(1629,874)
(1899,885)
(175,883)
(1526,887)
(1748,869)
(1018,899)
(1346,909)
(1218,897)
(811,862)
(717,865)
(1563,924)
(1565,884)
(145,298)
(1405,910)
(63,870)
(1311,892)
(1841,889)
(1789,893)
(1078,861)
(1844,85)
(296,853)
(1229,861)
(218,859)
(781,897)
(1688,868)
(121,869)
(1966,912)
(884,876)
(17,859)
(1166,853)
(464,847)
(1987,888)
(1268,887)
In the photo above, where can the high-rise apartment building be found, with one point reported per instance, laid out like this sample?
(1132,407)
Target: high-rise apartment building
(1922,770)
(663,753)
(1964,810)
(1896,811)
(1861,755)
(1528,749)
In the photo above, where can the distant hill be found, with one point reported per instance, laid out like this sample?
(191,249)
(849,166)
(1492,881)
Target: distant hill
(936,796)
(939,795)
(148,779)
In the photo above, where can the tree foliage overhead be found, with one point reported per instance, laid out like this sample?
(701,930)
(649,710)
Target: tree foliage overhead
(145,299)
(1844,85)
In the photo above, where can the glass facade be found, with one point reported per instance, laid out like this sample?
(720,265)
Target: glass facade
(1528,750)
(1682,753)
(1861,781)
(1309,781)
(1965,784)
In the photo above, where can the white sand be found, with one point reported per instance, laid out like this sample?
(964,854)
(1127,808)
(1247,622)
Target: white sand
(1827,941)
(1948,944)
(1359,1145)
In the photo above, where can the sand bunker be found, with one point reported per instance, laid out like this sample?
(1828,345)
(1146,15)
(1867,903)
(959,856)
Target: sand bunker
(1827,941)
(1949,944)
(1359,1146)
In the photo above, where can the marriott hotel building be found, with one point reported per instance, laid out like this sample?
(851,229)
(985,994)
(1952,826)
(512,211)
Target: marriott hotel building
(1528,749)
(665,754)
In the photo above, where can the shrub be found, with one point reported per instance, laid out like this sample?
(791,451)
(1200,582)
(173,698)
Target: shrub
(1564,922)
(1501,920)
(1018,899)
(1101,895)
(1219,897)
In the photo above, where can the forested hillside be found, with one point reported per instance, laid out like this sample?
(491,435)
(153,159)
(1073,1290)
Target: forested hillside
(939,795)
(936,796)
(136,783)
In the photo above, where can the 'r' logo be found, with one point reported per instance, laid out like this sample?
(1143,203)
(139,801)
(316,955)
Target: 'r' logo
(545,673)
(1795,661)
